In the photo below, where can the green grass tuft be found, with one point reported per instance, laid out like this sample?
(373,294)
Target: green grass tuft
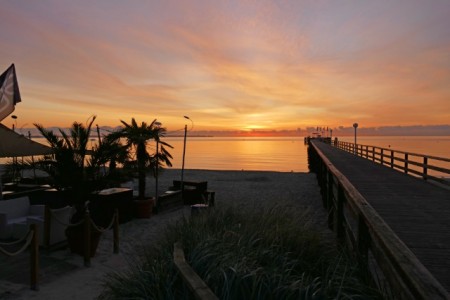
(263,253)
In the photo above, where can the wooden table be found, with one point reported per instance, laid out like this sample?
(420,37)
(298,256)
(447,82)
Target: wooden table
(105,202)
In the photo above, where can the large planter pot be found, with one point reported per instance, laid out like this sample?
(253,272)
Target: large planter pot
(143,208)
(76,240)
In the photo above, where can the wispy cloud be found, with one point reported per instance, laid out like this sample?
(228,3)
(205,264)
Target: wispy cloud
(231,64)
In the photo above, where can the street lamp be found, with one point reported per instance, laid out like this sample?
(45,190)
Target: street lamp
(158,126)
(14,117)
(355,125)
(184,152)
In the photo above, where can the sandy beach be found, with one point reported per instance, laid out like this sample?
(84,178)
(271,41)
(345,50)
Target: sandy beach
(69,279)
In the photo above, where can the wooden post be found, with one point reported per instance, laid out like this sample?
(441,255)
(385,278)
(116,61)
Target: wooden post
(116,231)
(339,222)
(392,159)
(320,177)
(382,157)
(194,282)
(323,180)
(330,201)
(425,167)
(87,239)
(34,257)
(325,194)
(406,163)
(363,243)
(47,226)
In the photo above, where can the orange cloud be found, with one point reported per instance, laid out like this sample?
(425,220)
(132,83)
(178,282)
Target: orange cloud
(233,64)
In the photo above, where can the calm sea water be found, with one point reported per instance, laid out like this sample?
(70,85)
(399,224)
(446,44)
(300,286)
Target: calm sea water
(429,145)
(232,153)
(284,154)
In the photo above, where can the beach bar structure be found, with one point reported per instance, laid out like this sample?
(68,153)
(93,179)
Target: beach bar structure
(16,145)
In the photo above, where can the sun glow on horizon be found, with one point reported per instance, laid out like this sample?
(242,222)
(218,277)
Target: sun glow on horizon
(254,127)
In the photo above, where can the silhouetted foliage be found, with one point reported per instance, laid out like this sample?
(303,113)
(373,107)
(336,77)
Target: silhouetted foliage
(136,140)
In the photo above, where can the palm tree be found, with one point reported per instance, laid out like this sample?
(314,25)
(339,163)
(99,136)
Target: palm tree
(136,139)
(108,152)
(67,165)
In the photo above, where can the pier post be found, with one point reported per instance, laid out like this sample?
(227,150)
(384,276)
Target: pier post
(330,200)
(323,180)
(339,215)
(392,159)
(406,163)
(363,243)
(425,168)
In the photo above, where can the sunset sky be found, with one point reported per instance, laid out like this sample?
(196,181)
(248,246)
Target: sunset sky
(229,65)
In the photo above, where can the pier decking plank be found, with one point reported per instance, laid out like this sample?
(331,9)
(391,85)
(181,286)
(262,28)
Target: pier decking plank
(416,210)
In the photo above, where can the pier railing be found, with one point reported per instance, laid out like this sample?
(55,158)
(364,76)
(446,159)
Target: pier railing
(425,166)
(364,232)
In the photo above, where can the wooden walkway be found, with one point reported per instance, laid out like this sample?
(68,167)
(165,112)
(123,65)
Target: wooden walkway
(416,210)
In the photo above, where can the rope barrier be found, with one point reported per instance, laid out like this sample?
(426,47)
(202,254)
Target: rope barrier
(76,224)
(64,223)
(88,222)
(15,242)
(29,237)
(99,229)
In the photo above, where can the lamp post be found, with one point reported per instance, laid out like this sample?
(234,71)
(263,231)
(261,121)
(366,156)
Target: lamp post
(184,152)
(355,125)
(158,126)
(14,117)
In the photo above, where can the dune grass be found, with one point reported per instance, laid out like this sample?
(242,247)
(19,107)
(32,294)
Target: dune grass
(262,253)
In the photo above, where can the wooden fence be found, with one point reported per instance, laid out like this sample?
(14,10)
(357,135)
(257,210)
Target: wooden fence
(362,230)
(195,284)
(419,165)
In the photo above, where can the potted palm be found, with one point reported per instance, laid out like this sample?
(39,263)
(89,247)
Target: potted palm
(67,167)
(137,137)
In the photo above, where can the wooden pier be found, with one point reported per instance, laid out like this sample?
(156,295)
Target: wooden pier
(402,221)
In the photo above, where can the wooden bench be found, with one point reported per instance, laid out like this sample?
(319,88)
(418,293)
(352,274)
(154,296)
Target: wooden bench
(168,201)
(195,192)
